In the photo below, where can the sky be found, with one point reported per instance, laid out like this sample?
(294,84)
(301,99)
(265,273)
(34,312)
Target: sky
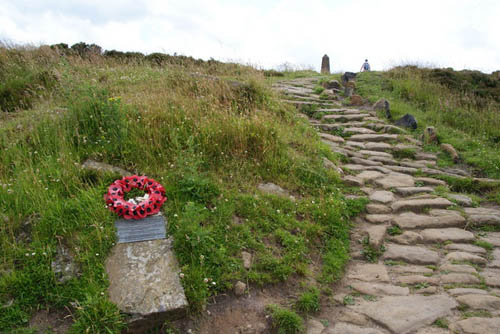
(463,34)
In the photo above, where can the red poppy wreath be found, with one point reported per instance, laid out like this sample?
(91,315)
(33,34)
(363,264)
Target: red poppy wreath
(128,210)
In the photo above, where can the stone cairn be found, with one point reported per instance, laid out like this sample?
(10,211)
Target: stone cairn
(419,263)
(325,65)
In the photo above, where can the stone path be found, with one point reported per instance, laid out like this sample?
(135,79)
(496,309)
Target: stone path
(417,265)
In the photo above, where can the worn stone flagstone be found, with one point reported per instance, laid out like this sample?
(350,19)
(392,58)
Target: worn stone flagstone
(382,196)
(410,220)
(411,254)
(478,325)
(394,180)
(369,272)
(404,314)
(378,289)
(420,204)
(447,234)
(464,257)
(346,328)
(480,302)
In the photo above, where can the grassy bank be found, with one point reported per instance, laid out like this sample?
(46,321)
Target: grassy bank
(463,106)
(208,139)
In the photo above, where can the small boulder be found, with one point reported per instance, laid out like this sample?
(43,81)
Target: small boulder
(451,151)
(332,84)
(356,100)
(407,121)
(64,265)
(349,88)
(347,77)
(247,259)
(240,288)
(102,167)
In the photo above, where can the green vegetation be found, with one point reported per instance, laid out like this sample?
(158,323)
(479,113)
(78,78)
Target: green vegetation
(209,132)
(286,321)
(463,106)
(394,230)
(308,302)
(318,90)
(442,323)
(371,253)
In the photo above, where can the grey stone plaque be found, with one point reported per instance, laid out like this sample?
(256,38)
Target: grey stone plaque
(149,228)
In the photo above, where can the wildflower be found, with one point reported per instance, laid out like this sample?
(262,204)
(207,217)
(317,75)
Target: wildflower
(33,254)
(181,275)
(205,280)
(96,254)
(175,215)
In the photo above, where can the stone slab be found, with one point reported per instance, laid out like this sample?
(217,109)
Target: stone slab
(410,220)
(378,289)
(149,228)
(421,204)
(480,302)
(411,254)
(144,283)
(446,234)
(478,325)
(464,257)
(382,196)
(369,272)
(394,180)
(346,328)
(491,277)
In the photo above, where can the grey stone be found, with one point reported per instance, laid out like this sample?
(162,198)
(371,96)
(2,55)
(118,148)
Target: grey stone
(407,238)
(491,277)
(374,137)
(458,268)
(420,204)
(405,314)
(378,218)
(358,130)
(378,209)
(416,279)
(465,248)
(325,65)
(376,154)
(345,328)
(407,121)
(314,326)
(430,181)
(369,175)
(411,254)
(240,288)
(410,220)
(374,146)
(335,139)
(430,290)
(353,181)
(355,144)
(273,189)
(376,234)
(64,265)
(144,282)
(411,270)
(492,238)
(394,180)
(385,160)
(461,199)
(365,162)
(478,325)
(466,291)
(247,259)
(382,197)
(482,216)
(345,118)
(433,330)
(378,289)
(495,263)
(458,278)
(447,234)
(368,272)
(480,302)
(426,156)
(408,191)
(102,167)
(464,257)
(348,315)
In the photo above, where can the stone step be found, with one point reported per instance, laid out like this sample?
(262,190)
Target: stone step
(459,278)
(426,156)
(384,197)
(344,118)
(410,220)
(347,328)
(458,268)
(355,144)
(411,270)
(368,272)
(376,154)
(409,191)
(355,167)
(379,289)
(400,169)
(377,209)
(411,254)
(374,137)
(332,138)
(480,302)
(483,216)
(384,160)
(430,181)
(358,131)
(464,257)
(420,204)
(453,234)
(365,162)
(393,180)
(465,248)
(378,146)
(466,291)
(476,325)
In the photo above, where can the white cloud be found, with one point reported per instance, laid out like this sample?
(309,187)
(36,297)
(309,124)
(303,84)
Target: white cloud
(460,34)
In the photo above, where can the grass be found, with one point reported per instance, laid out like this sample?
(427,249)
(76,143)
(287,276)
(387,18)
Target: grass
(285,321)
(464,118)
(308,301)
(209,141)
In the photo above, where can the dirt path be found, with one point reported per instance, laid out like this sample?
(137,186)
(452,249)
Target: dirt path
(417,266)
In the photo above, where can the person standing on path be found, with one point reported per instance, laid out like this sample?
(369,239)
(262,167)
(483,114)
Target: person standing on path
(365,66)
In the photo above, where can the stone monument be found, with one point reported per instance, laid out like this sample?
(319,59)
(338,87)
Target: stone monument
(325,65)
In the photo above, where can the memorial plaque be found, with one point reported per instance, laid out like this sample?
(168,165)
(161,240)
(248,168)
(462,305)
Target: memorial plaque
(149,228)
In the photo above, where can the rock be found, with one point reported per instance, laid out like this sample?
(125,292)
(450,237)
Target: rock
(376,154)
(464,257)
(491,277)
(416,279)
(405,314)
(410,254)
(345,328)
(273,189)
(401,169)
(240,288)
(366,162)
(420,204)
(382,104)
(349,89)
(378,218)
(407,238)
(325,65)
(347,315)
(382,196)
(144,282)
(458,268)
(369,175)
(482,216)
(430,135)
(378,289)
(451,151)
(330,165)
(367,190)
(430,290)
(465,248)
(394,180)
(247,259)
(347,77)
(335,139)
(368,272)
(376,234)
(407,121)
(377,146)
(430,181)
(314,326)
(353,181)
(409,191)
(410,220)
(345,118)
(374,137)
(461,199)
(411,270)
(64,265)
(478,325)
(466,291)
(356,100)
(355,144)
(495,263)
(425,156)
(377,208)
(456,278)
(492,238)
(102,167)
(480,302)
(358,131)
(447,234)
(332,84)
(433,330)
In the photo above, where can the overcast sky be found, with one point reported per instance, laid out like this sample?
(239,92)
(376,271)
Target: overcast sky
(266,33)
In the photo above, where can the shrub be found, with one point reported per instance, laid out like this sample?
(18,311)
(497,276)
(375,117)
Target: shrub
(308,302)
